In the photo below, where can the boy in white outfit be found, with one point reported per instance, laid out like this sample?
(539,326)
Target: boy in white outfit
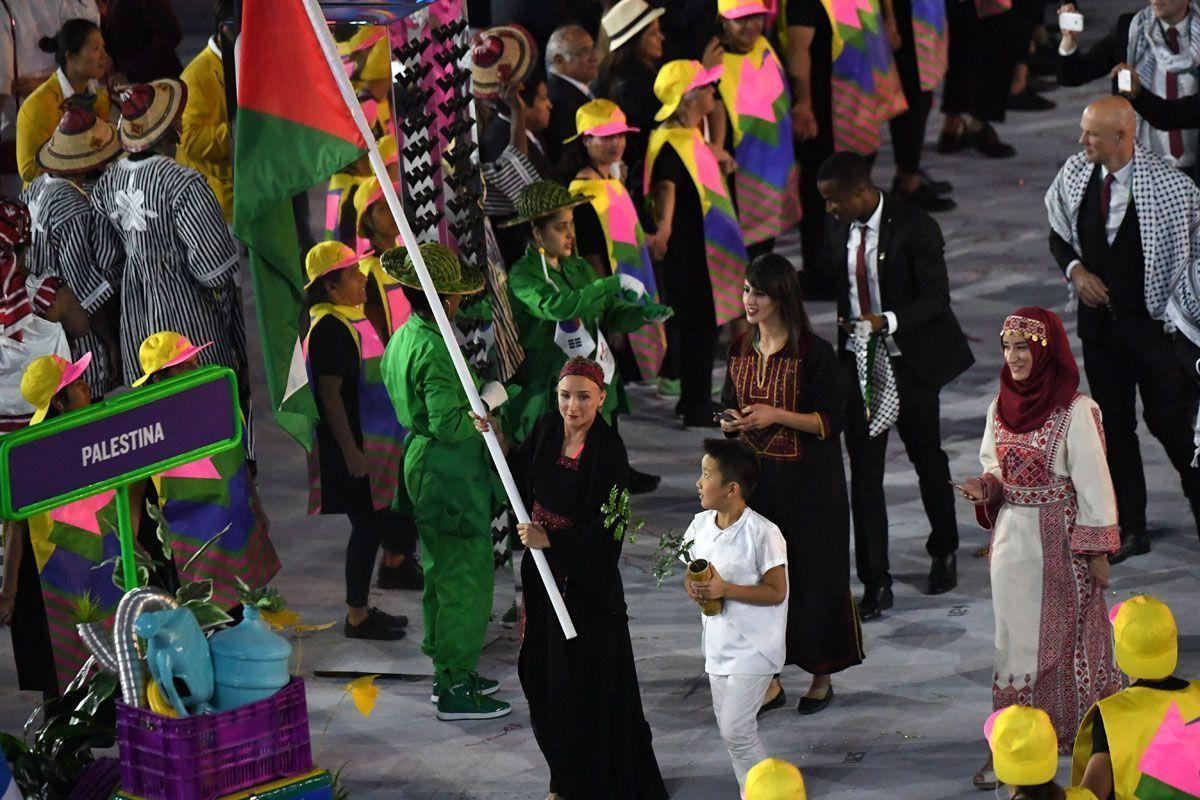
(744,644)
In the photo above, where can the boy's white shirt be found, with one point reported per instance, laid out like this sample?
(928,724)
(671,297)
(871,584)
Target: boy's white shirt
(744,639)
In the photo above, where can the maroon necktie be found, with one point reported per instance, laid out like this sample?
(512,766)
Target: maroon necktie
(1175,137)
(860,273)
(1106,197)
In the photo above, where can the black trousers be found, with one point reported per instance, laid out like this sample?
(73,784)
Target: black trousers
(908,129)
(810,154)
(919,426)
(979,63)
(1129,357)
(697,348)
(397,533)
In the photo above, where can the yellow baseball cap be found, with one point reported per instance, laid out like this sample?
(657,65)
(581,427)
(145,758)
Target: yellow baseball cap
(1145,637)
(46,377)
(164,349)
(600,118)
(1024,745)
(774,779)
(327,257)
(736,9)
(677,78)
(367,194)
(389,150)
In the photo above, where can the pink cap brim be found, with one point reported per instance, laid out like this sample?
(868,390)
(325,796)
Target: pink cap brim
(745,11)
(990,723)
(186,354)
(610,129)
(1112,612)
(706,76)
(73,371)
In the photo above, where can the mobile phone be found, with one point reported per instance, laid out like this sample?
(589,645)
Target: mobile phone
(1070,21)
(724,416)
(1124,81)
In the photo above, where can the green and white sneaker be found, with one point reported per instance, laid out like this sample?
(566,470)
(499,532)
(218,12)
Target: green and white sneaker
(462,701)
(485,686)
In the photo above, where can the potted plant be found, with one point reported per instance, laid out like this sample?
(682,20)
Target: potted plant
(672,549)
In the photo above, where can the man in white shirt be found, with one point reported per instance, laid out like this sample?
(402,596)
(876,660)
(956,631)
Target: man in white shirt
(571,65)
(1162,43)
(744,642)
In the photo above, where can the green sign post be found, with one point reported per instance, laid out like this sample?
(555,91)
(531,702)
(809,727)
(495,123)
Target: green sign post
(116,443)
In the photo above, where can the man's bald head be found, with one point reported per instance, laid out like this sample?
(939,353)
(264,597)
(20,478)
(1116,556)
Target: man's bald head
(1109,126)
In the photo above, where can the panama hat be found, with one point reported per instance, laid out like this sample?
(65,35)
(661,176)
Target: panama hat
(46,377)
(677,78)
(500,56)
(1145,638)
(450,275)
(736,9)
(148,110)
(541,199)
(165,349)
(600,118)
(627,19)
(1024,745)
(80,143)
(327,257)
(366,195)
(773,779)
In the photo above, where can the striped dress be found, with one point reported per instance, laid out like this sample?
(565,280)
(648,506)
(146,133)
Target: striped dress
(179,259)
(61,246)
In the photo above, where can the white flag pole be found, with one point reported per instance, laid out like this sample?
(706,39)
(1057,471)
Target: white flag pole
(333,60)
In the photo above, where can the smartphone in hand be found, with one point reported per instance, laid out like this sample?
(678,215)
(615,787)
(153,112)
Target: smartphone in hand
(1124,81)
(1070,22)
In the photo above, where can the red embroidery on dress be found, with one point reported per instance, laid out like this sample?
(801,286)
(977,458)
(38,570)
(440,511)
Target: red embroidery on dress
(1075,665)
(1100,428)
(567,462)
(780,387)
(550,519)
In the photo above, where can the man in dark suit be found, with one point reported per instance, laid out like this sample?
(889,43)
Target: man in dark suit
(571,66)
(1123,224)
(891,274)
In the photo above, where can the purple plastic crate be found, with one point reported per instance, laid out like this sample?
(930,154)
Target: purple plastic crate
(205,756)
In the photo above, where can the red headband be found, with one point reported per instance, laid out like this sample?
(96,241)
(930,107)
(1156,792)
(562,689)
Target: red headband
(584,367)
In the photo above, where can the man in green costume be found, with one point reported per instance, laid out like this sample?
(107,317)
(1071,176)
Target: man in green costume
(450,481)
(563,308)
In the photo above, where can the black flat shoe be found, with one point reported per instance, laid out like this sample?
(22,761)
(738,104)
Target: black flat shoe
(987,142)
(1134,545)
(642,482)
(926,199)
(407,576)
(779,701)
(943,574)
(1029,100)
(874,602)
(809,705)
(375,628)
(941,187)
(956,142)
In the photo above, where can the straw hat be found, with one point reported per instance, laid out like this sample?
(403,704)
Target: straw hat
(1024,745)
(450,275)
(736,9)
(773,779)
(327,257)
(163,350)
(600,118)
(677,78)
(627,19)
(366,195)
(1145,638)
(149,110)
(500,56)
(46,377)
(80,143)
(541,199)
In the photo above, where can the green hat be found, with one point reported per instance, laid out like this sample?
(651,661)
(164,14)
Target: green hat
(450,275)
(541,199)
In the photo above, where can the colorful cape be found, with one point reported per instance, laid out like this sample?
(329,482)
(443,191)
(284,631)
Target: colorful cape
(627,251)
(865,85)
(754,88)
(929,34)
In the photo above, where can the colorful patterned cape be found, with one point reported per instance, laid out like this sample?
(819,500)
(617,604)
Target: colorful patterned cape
(930,36)
(865,85)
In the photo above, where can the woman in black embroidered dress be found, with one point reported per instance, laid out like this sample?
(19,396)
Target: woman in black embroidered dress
(784,393)
(584,702)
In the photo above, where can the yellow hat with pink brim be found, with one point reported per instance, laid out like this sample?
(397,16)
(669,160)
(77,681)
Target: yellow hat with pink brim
(736,9)
(327,257)
(677,78)
(46,377)
(164,350)
(600,118)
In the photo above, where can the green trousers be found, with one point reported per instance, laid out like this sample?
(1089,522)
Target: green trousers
(457,604)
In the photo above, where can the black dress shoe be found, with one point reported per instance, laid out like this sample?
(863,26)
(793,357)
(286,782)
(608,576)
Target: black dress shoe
(943,574)
(1029,100)
(874,602)
(988,143)
(810,705)
(941,187)
(926,199)
(642,482)
(778,701)
(956,142)
(1042,85)
(1136,544)
(407,576)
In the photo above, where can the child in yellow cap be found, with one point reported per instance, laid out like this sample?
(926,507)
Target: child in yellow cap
(774,779)
(1117,730)
(1025,754)
(217,493)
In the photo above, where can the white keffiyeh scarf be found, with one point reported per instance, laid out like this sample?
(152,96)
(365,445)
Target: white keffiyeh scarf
(1149,54)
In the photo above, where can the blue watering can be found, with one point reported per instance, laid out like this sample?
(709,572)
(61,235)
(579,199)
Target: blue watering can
(250,662)
(178,659)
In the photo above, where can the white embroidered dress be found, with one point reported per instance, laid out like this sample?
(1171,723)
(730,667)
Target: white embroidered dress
(1050,505)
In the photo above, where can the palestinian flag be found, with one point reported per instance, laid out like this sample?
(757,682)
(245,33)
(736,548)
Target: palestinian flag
(295,128)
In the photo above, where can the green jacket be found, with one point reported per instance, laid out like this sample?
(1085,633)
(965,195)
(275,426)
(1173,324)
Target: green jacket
(537,307)
(447,471)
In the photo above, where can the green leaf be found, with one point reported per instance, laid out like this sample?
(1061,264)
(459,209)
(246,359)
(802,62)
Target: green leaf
(13,747)
(162,530)
(207,614)
(87,610)
(102,687)
(194,590)
(188,564)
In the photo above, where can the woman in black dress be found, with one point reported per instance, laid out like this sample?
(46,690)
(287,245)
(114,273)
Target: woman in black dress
(584,702)
(785,396)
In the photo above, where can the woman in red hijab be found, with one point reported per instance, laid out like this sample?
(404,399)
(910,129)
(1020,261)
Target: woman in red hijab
(1046,495)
